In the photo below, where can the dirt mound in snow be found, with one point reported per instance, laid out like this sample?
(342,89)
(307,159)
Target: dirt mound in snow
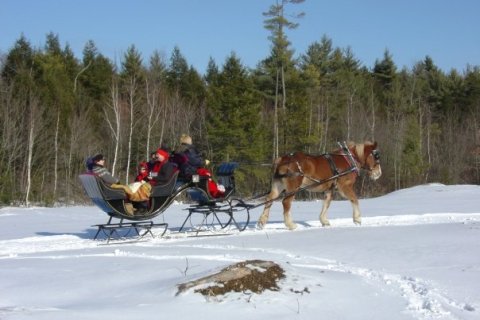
(251,275)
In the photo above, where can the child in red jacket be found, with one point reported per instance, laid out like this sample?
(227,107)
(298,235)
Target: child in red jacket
(216,190)
(142,172)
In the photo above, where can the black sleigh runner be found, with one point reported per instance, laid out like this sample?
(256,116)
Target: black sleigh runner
(222,211)
(213,210)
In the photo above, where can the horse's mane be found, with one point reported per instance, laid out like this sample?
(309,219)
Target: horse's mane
(359,148)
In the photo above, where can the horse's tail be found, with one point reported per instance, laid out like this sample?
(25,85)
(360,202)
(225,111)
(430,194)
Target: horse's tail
(275,165)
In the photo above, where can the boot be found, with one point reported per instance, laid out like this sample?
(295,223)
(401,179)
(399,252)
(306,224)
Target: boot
(129,209)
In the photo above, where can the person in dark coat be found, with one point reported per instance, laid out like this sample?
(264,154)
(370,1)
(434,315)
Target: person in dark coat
(96,165)
(187,157)
(162,169)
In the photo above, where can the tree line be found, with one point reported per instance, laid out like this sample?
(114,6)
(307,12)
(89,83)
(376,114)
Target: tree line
(58,109)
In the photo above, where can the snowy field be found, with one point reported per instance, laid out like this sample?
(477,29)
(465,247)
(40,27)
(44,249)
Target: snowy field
(416,256)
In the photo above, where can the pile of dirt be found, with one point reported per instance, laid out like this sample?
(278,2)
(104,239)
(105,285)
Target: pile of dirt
(251,275)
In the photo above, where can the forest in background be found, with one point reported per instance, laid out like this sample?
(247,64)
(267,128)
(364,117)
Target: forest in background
(57,109)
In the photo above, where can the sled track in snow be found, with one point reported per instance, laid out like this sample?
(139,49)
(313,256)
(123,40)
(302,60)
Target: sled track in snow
(39,244)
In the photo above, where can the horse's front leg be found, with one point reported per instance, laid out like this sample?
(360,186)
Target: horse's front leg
(357,217)
(326,205)
(348,193)
(287,217)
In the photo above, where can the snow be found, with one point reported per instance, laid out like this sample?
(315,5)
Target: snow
(415,256)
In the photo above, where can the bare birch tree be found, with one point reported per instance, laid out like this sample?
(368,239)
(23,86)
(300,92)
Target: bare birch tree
(112,114)
(154,110)
(55,164)
(132,106)
(33,127)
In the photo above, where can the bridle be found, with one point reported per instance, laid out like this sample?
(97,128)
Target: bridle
(376,157)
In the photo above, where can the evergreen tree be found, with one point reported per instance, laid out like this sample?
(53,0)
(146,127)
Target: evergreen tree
(413,167)
(234,123)
(318,56)
(52,45)
(97,73)
(132,67)
(212,73)
(56,80)
(177,72)
(280,61)
(384,73)
(158,68)
(19,66)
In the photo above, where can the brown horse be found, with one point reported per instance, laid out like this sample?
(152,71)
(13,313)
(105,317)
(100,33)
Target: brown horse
(322,173)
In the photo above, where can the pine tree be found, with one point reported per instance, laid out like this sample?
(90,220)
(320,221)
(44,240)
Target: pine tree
(18,69)
(177,72)
(234,124)
(384,73)
(281,59)
(98,71)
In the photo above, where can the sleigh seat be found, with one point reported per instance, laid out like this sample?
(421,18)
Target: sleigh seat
(214,211)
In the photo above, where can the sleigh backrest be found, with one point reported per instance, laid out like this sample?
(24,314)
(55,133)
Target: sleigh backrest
(165,189)
(224,176)
(93,190)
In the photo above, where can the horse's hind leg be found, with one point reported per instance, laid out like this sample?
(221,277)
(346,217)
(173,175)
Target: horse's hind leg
(287,217)
(274,193)
(326,205)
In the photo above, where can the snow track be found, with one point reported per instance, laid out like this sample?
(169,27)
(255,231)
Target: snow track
(40,244)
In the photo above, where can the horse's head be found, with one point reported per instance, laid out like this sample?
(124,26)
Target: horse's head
(369,159)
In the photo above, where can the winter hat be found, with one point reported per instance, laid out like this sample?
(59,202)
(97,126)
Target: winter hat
(89,163)
(163,153)
(143,165)
(204,172)
(98,157)
(185,139)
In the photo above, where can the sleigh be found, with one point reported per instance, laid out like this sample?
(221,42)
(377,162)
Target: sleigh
(113,202)
(208,213)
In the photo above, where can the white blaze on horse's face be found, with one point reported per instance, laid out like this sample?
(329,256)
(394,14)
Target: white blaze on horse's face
(376,172)
(373,163)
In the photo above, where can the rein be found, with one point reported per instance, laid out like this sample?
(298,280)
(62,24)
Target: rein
(284,194)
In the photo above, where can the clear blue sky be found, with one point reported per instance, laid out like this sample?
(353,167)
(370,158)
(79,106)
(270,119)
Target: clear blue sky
(446,30)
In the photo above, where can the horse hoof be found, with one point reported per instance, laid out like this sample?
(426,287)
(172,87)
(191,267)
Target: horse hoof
(326,224)
(260,226)
(292,226)
(357,222)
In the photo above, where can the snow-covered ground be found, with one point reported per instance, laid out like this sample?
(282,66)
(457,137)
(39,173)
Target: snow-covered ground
(416,256)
